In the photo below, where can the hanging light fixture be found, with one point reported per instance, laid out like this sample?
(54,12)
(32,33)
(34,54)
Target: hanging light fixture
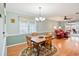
(40,18)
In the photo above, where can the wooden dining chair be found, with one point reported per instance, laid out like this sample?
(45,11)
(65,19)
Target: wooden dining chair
(31,45)
(48,42)
(48,33)
(28,40)
(34,33)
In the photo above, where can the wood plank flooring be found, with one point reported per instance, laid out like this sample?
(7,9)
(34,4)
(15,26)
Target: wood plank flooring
(65,47)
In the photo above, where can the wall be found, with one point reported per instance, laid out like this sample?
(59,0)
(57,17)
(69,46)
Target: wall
(42,27)
(13,34)
(15,39)
(46,26)
(12,28)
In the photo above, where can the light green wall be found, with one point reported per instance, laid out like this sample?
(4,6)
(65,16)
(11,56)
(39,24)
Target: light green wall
(15,39)
(12,28)
(10,40)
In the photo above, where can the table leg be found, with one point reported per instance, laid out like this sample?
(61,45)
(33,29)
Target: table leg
(38,50)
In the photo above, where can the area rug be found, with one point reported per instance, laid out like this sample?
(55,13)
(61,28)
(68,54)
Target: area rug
(42,52)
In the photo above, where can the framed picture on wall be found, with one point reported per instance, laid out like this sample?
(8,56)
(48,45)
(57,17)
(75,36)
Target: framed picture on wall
(12,20)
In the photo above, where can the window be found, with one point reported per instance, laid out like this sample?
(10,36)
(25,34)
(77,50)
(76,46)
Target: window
(27,27)
(32,27)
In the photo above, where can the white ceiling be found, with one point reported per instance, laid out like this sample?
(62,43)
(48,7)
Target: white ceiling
(48,9)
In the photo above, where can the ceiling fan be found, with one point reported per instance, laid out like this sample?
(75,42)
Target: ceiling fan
(67,18)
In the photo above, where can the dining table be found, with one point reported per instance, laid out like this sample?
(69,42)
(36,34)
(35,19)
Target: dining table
(38,40)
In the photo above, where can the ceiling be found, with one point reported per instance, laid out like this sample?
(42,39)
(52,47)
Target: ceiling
(48,9)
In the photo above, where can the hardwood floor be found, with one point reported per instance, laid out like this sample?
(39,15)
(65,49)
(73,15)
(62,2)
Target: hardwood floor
(65,47)
(15,50)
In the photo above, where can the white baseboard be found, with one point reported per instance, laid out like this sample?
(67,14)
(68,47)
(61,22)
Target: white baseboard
(16,44)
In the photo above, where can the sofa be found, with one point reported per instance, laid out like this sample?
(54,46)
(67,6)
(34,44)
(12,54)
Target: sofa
(60,33)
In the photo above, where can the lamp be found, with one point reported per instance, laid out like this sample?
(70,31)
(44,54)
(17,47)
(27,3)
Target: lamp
(40,18)
(55,27)
(59,27)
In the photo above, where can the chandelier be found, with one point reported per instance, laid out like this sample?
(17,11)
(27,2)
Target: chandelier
(39,18)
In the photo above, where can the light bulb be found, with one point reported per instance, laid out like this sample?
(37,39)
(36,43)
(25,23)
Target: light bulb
(36,19)
(40,18)
(60,27)
(43,19)
(55,27)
